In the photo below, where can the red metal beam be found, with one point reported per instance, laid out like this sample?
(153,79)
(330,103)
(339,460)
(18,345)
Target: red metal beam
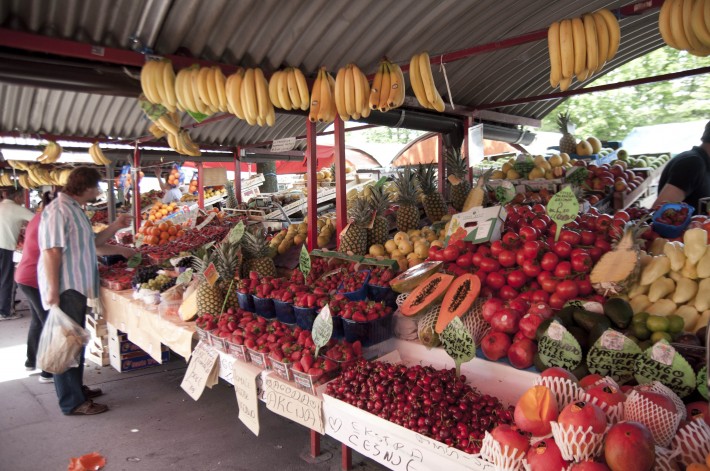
(600,88)
(312,184)
(237,176)
(200,185)
(341,203)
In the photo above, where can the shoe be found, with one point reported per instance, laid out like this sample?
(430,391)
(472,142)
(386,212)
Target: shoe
(89,408)
(46,379)
(11,317)
(91,393)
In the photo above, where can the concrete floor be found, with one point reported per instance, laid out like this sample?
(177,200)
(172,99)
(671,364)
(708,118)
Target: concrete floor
(152,425)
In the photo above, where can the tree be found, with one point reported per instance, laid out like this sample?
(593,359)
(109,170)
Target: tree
(611,115)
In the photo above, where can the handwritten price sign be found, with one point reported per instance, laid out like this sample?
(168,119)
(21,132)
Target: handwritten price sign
(322,328)
(201,371)
(563,208)
(304,261)
(244,376)
(458,343)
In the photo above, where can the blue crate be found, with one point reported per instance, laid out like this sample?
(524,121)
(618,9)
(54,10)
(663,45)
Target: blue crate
(382,293)
(264,307)
(666,230)
(370,332)
(284,312)
(246,302)
(359,295)
(305,316)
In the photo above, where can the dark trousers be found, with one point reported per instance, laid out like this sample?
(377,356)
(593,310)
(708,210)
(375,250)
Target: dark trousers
(39,316)
(7,283)
(69,384)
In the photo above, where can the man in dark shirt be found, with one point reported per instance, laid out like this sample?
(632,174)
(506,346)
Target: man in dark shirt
(686,177)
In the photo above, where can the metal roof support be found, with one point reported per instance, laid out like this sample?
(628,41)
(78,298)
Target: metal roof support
(110,192)
(441,165)
(341,203)
(312,185)
(200,185)
(237,176)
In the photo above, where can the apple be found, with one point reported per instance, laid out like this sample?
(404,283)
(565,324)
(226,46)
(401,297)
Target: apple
(557,372)
(629,446)
(490,307)
(697,411)
(528,325)
(535,411)
(545,455)
(583,414)
(590,380)
(541,309)
(521,354)
(607,395)
(495,345)
(506,321)
(513,437)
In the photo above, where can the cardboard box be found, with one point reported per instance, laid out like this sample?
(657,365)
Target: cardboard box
(477,225)
(97,328)
(135,361)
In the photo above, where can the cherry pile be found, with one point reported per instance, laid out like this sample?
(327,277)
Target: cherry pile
(435,403)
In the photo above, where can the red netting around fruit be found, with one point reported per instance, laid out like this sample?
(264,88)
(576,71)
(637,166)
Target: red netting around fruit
(565,391)
(503,459)
(665,459)
(578,444)
(692,442)
(661,422)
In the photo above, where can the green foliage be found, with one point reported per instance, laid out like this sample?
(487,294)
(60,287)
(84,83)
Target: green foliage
(613,114)
(386,135)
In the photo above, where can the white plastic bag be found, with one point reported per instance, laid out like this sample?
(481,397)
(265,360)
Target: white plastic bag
(61,343)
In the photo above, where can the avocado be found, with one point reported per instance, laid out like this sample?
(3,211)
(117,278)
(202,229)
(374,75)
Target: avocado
(542,328)
(538,363)
(598,329)
(580,336)
(566,315)
(619,312)
(587,320)
(645,345)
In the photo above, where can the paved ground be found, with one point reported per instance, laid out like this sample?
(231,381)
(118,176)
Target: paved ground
(152,425)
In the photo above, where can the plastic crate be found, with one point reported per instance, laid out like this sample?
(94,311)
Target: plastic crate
(338,330)
(305,316)
(382,293)
(264,307)
(282,369)
(246,302)
(238,351)
(666,230)
(360,294)
(284,312)
(370,332)
(308,382)
(260,359)
(220,343)
(203,335)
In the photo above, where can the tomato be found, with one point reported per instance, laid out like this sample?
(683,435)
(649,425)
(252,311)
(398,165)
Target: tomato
(549,261)
(476,258)
(482,276)
(540,296)
(531,249)
(436,256)
(484,250)
(506,258)
(563,269)
(519,304)
(511,240)
(497,248)
(520,257)
(595,253)
(450,253)
(603,222)
(465,260)
(567,290)
(531,268)
(585,287)
(517,279)
(549,285)
(623,215)
(569,236)
(582,262)
(602,244)
(538,209)
(527,296)
(508,292)
(489,264)
(562,249)
(539,224)
(556,302)
(587,237)
(495,280)
(589,222)
(460,244)
(528,233)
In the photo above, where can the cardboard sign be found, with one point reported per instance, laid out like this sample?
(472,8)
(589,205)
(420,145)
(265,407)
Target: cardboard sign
(207,220)
(211,274)
(184,277)
(322,328)
(662,363)
(458,343)
(244,376)
(304,261)
(563,208)
(288,401)
(559,348)
(614,355)
(201,371)
(702,382)
(477,225)
(135,260)
(283,145)
(237,232)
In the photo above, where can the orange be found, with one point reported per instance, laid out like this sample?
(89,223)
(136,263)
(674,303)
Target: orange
(154,231)
(172,230)
(164,235)
(163,226)
(163,241)
(180,233)
(163,212)
(171,238)
(148,224)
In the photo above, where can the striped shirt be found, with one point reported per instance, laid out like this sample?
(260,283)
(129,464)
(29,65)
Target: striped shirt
(64,225)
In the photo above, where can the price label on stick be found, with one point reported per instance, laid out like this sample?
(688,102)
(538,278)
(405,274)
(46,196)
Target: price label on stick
(322,328)
(304,261)
(702,382)
(563,208)
(235,235)
(559,348)
(458,343)
(661,362)
(211,274)
(614,355)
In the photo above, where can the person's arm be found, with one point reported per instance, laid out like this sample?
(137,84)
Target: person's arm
(52,262)
(669,194)
(122,221)
(108,249)
(159,176)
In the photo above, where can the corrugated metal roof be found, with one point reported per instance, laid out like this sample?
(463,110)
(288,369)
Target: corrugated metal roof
(303,33)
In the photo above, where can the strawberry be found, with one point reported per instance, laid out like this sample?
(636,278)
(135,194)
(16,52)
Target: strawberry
(307,361)
(316,372)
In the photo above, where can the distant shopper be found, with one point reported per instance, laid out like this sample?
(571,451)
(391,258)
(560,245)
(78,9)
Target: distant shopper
(12,217)
(68,273)
(172,192)
(686,177)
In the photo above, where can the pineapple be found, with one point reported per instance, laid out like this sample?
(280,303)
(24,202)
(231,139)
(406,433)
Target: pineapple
(231,198)
(379,203)
(257,255)
(228,265)
(434,205)
(617,270)
(355,238)
(209,298)
(458,172)
(568,143)
(407,196)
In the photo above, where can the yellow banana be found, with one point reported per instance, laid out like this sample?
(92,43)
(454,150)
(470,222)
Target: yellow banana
(567,49)
(677,28)
(584,75)
(248,85)
(396,97)
(282,90)
(262,94)
(664,24)
(212,89)
(350,107)
(565,83)
(273,88)
(168,124)
(612,25)
(200,105)
(156,73)
(233,88)
(302,88)
(602,40)
(243,99)
(181,88)
(219,84)
(293,93)
(315,97)
(385,86)
(169,85)
(374,98)
(147,90)
(178,92)
(92,154)
(592,53)
(366,87)
(553,47)
(325,99)
(415,78)
(700,21)
(340,94)
(360,97)
(432,93)
(696,46)
(172,142)
(271,117)
(580,45)
(188,145)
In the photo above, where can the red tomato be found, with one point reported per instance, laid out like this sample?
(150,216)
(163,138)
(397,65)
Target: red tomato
(585,287)
(582,262)
(549,285)
(587,237)
(511,240)
(562,249)
(488,264)
(602,244)
(569,236)
(595,253)
(567,290)
(517,279)
(465,260)
(450,253)
(603,222)
(484,250)
(528,233)
(556,302)
(506,258)
(540,296)
(497,248)
(531,249)
(623,215)
(549,261)
(476,259)
(508,292)
(563,269)
(520,257)
(539,224)
(495,280)
(538,209)
(531,268)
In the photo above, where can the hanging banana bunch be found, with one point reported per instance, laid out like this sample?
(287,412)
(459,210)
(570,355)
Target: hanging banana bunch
(6,180)
(187,91)
(352,93)
(685,25)
(256,107)
(288,90)
(17,164)
(323,107)
(97,155)
(211,88)
(422,82)
(580,47)
(183,144)
(158,83)
(387,90)
(51,153)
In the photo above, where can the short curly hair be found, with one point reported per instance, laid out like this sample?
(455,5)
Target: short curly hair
(82,179)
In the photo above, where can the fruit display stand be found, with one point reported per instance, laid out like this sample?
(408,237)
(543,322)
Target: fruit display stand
(624,200)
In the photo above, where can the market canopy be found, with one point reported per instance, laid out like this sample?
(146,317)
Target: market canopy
(89,96)
(425,149)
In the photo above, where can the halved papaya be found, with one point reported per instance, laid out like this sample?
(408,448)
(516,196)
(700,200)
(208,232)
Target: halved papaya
(409,279)
(458,300)
(426,294)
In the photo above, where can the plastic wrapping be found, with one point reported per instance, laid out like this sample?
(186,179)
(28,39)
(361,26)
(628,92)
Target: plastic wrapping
(504,459)
(665,459)
(692,442)
(61,342)
(565,391)
(661,422)
(578,444)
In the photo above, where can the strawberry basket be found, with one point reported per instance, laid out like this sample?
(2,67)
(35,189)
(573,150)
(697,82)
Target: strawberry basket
(246,301)
(264,307)
(349,286)
(284,312)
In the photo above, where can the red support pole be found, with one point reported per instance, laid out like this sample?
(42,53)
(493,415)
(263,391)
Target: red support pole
(237,176)
(341,202)
(312,184)
(315,444)
(346,457)
(441,163)
(200,186)
(136,189)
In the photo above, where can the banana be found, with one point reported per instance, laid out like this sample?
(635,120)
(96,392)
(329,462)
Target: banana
(262,94)
(386,86)
(360,97)
(696,46)
(273,88)
(200,104)
(293,93)
(271,117)
(326,103)
(302,88)
(250,105)
(612,25)
(92,154)
(188,145)
(145,77)
(415,78)
(366,87)
(202,91)
(178,92)
(565,83)
(219,83)
(172,142)
(250,119)
(700,21)
(233,88)
(169,86)
(432,93)
(350,107)
(584,75)
(677,25)
(315,97)
(374,98)
(183,89)
(168,124)
(592,53)
(212,88)
(664,24)
(396,97)
(553,47)
(156,73)
(567,49)
(282,91)
(580,45)
(340,94)
(602,40)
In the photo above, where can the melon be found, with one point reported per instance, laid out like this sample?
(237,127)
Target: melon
(425,330)
(408,280)
(458,299)
(426,294)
